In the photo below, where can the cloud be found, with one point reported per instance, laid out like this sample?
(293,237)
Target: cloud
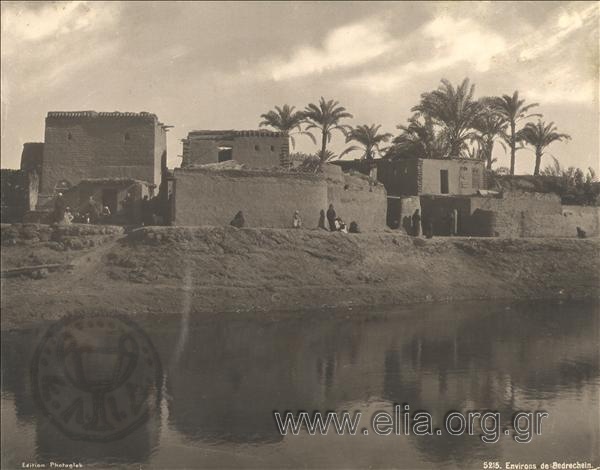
(344,47)
(444,42)
(45,44)
(547,38)
(25,24)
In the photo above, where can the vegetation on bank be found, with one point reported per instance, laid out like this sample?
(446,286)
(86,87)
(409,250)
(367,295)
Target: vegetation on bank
(448,122)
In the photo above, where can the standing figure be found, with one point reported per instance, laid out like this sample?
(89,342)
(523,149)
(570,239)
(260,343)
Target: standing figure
(453,218)
(331,216)
(147,218)
(297,220)
(91,211)
(59,208)
(322,220)
(68,217)
(416,223)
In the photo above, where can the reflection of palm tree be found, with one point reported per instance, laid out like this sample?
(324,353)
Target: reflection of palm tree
(455,111)
(326,117)
(539,136)
(285,119)
(369,139)
(513,110)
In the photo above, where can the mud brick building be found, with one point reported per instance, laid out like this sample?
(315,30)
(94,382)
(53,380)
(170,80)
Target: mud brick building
(87,144)
(418,176)
(256,149)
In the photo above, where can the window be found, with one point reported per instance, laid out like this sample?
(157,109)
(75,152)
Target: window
(127,136)
(225,154)
(257,147)
(476,178)
(272,148)
(444,181)
(69,136)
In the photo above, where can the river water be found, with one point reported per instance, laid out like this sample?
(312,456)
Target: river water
(224,377)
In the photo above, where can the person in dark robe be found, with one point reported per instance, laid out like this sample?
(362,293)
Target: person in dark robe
(129,208)
(147,218)
(91,211)
(59,208)
(322,220)
(238,221)
(353,227)
(331,216)
(416,223)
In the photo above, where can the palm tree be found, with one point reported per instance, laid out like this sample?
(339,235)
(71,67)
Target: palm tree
(326,117)
(513,110)
(285,119)
(417,139)
(454,110)
(369,139)
(540,135)
(489,125)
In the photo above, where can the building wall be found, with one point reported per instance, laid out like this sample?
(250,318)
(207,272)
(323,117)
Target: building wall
(513,214)
(564,224)
(400,177)
(366,207)
(415,176)
(256,150)
(513,209)
(209,197)
(81,145)
(464,176)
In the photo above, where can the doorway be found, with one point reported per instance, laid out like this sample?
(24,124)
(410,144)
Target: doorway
(109,199)
(444,181)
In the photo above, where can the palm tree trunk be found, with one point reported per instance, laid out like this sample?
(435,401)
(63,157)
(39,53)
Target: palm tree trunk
(489,151)
(323,145)
(513,144)
(538,161)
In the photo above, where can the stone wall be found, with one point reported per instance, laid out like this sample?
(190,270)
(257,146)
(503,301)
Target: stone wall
(80,145)
(269,199)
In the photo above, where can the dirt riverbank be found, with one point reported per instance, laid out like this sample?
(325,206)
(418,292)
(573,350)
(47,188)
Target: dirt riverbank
(170,270)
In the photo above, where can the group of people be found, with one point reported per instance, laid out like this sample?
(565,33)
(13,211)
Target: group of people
(336,224)
(92,212)
(425,224)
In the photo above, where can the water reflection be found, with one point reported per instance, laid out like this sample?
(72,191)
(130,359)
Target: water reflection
(221,389)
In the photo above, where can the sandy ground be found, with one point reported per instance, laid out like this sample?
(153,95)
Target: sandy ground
(170,270)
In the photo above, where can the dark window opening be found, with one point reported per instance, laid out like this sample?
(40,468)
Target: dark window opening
(257,148)
(225,153)
(69,136)
(127,136)
(272,148)
(444,181)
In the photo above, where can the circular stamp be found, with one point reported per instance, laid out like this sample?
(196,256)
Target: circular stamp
(96,377)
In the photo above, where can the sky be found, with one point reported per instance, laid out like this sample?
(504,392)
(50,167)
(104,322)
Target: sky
(220,65)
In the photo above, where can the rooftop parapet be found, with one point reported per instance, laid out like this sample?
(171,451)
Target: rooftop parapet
(232,133)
